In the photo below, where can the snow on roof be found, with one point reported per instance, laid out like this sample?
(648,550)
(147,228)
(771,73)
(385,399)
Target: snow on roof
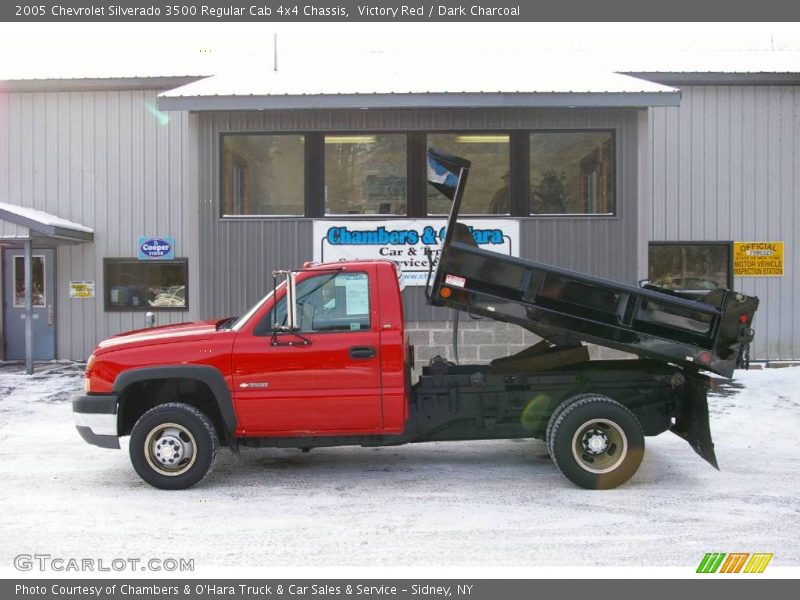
(417,84)
(419,79)
(44,223)
(320,65)
(729,61)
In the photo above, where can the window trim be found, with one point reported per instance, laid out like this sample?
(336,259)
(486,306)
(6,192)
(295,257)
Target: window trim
(220,203)
(476,132)
(416,183)
(341,216)
(259,331)
(108,261)
(614,174)
(721,243)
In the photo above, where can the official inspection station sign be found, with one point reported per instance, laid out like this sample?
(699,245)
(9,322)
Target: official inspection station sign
(404,241)
(758,259)
(83,290)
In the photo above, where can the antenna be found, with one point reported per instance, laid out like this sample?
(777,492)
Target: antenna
(275,52)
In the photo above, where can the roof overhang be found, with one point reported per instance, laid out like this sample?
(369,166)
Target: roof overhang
(45,228)
(427,100)
(96,84)
(483,86)
(718,78)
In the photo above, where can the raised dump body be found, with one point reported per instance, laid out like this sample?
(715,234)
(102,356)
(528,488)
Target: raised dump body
(564,307)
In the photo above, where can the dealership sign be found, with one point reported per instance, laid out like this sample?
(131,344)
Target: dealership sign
(156,248)
(404,241)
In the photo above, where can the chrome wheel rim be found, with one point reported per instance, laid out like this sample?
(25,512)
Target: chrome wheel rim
(599,446)
(170,449)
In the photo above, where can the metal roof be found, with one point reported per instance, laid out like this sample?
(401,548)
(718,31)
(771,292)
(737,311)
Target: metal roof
(716,61)
(41,224)
(424,86)
(93,84)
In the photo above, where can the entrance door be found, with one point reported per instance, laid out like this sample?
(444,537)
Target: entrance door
(43,304)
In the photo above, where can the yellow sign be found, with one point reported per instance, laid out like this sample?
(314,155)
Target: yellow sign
(81,289)
(758,259)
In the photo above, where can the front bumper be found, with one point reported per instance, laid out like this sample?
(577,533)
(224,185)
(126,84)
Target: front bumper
(96,419)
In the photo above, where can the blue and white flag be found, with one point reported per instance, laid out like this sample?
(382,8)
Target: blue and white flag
(444,171)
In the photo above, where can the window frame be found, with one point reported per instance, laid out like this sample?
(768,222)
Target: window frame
(344,216)
(416,181)
(673,243)
(261,216)
(109,261)
(264,327)
(613,177)
(511,168)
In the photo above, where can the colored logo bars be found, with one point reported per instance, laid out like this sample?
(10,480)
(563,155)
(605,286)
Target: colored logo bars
(734,562)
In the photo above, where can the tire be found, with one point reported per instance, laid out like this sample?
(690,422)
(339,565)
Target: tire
(557,412)
(173,446)
(596,442)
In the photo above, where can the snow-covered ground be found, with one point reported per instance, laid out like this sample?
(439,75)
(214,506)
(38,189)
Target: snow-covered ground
(469,503)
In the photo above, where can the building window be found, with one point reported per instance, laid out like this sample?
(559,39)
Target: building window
(132,285)
(488,191)
(263,175)
(572,172)
(365,174)
(690,266)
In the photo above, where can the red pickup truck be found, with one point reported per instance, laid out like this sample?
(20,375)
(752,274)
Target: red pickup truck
(324,360)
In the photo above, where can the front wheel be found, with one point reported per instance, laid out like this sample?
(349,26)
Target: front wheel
(597,443)
(173,446)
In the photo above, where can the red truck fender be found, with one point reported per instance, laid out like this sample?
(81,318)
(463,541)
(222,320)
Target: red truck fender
(207,375)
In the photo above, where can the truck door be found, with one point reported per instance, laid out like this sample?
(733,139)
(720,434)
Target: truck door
(330,384)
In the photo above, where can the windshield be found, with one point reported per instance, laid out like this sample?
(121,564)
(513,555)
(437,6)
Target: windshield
(246,317)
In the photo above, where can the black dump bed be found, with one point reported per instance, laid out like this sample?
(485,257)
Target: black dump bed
(565,307)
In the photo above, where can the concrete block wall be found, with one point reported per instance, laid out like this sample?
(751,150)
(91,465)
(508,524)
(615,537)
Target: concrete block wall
(479,341)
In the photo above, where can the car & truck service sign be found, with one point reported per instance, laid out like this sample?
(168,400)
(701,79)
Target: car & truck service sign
(404,241)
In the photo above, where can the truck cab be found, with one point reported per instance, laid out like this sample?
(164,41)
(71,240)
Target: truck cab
(340,370)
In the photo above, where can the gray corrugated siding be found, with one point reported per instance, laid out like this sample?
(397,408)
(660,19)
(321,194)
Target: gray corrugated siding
(724,167)
(101,159)
(237,256)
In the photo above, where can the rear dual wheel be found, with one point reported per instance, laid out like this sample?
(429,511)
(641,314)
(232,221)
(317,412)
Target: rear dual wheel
(596,442)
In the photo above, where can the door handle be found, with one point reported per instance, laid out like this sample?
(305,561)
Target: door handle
(50,315)
(362,352)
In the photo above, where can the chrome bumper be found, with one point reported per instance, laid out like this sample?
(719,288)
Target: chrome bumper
(96,419)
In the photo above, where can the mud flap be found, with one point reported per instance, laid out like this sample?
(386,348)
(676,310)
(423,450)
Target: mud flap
(691,420)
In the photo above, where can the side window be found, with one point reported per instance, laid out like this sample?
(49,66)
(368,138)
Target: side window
(327,303)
